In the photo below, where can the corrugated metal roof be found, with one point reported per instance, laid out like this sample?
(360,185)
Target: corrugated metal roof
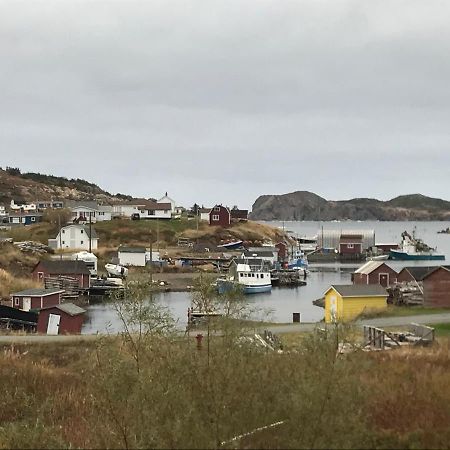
(359,290)
(37,292)
(369,267)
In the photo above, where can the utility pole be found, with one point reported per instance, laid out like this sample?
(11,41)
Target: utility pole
(60,238)
(151,259)
(157,233)
(90,232)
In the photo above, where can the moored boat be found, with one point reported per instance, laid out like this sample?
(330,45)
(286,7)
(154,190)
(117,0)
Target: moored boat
(412,249)
(251,279)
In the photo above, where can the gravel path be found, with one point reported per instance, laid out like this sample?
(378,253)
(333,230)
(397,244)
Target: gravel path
(276,329)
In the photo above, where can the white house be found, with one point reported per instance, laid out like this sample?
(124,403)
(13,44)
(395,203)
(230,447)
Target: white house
(2,210)
(129,208)
(136,256)
(167,199)
(104,213)
(156,211)
(74,236)
(31,207)
(204,214)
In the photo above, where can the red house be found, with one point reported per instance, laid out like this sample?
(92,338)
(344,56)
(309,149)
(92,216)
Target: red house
(61,319)
(436,287)
(375,272)
(77,270)
(36,298)
(350,244)
(220,216)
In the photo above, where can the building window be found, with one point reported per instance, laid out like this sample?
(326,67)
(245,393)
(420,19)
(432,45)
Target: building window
(63,242)
(63,231)
(16,301)
(215,217)
(349,245)
(81,231)
(217,208)
(33,219)
(81,242)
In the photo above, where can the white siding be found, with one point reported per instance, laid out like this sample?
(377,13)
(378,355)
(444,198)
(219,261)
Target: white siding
(73,237)
(132,259)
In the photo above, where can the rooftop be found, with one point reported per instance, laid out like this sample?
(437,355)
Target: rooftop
(68,308)
(359,290)
(37,292)
(369,267)
(131,249)
(65,267)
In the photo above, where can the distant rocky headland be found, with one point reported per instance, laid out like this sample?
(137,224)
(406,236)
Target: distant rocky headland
(304,205)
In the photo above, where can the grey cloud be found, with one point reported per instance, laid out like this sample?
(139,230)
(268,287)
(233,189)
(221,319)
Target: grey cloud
(229,100)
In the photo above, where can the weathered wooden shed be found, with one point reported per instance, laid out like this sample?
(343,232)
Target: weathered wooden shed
(436,287)
(66,318)
(78,270)
(36,298)
(346,302)
(414,273)
(375,272)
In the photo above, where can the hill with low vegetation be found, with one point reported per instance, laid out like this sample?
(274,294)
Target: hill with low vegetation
(29,187)
(303,205)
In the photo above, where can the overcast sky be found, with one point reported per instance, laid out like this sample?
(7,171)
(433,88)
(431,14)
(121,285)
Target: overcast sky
(222,101)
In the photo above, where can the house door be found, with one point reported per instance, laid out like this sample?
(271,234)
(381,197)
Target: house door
(26,303)
(333,308)
(53,324)
(384,279)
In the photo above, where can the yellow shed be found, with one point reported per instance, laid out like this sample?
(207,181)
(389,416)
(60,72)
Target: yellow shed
(346,302)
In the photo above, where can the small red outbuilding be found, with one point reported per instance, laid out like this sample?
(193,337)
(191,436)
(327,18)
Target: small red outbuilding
(66,318)
(375,272)
(350,244)
(36,298)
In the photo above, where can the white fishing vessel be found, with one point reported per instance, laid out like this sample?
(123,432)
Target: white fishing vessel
(249,274)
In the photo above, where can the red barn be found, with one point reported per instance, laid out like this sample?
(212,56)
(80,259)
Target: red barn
(220,216)
(375,272)
(66,318)
(78,270)
(350,244)
(436,287)
(36,298)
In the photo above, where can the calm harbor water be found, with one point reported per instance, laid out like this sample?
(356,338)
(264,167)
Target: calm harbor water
(282,302)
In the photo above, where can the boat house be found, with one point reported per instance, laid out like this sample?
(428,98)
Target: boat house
(436,287)
(413,274)
(77,271)
(36,298)
(375,272)
(351,245)
(61,319)
(347,302)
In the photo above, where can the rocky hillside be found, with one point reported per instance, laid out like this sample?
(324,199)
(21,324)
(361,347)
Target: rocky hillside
(303,205)
(28,187)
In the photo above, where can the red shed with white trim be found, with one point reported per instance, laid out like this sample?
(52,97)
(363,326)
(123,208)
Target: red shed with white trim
(220,216)
(36,298)
(66,318)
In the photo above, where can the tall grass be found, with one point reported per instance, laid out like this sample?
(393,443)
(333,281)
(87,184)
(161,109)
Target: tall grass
(10,284)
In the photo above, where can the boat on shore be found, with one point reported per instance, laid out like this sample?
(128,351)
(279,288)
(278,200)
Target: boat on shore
(413,249)
(231,245)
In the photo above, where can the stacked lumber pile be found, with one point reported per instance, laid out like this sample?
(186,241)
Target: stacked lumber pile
(406,294)
(70,285)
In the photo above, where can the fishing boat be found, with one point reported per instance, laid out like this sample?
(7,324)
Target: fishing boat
(116,270)
(413,249)
(299,261)
(249,275)
(231,245)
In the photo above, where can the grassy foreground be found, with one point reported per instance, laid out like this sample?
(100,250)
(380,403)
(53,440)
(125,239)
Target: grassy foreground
(97,395)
